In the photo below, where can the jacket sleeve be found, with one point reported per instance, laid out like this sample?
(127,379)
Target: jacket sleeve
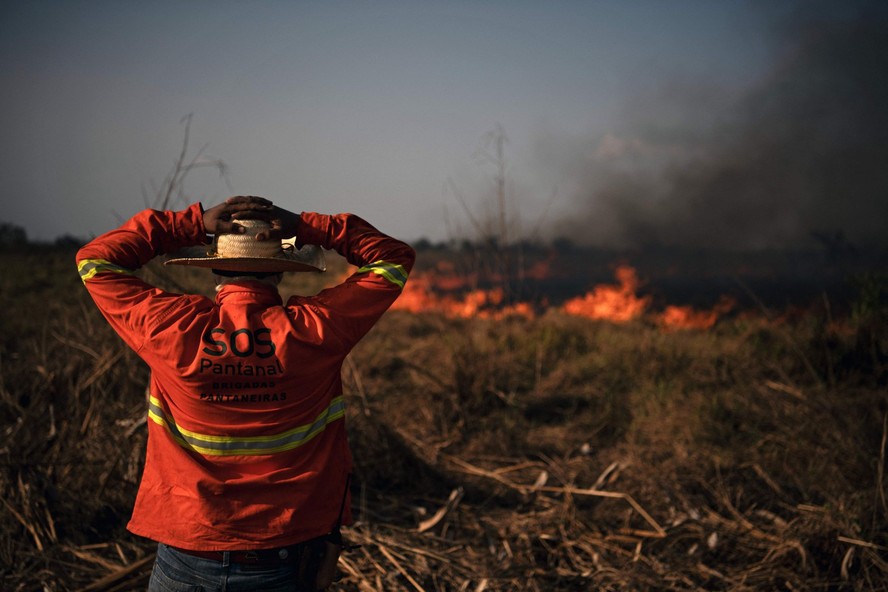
(107,265)
(383,263)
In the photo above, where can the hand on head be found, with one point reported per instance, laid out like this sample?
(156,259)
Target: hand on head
(222,219)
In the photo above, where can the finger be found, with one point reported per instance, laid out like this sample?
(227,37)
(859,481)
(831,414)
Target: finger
(240,198)
(250,213)
(223,227)
(271,233)
(246,210)
(253,214)
(248,199)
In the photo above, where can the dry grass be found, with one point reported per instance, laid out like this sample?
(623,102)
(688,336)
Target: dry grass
(554,454)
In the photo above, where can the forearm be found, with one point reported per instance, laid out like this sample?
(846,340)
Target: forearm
(384,264)
(146,235)
(107,263)
(353,238)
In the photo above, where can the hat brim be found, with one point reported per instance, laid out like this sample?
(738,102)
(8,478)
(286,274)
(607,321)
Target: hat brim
(308,258)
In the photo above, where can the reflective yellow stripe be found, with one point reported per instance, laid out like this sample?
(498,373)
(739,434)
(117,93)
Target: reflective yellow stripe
(391,271)
(90,267)
(214,445)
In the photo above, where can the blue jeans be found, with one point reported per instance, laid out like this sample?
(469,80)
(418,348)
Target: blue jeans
(175,571)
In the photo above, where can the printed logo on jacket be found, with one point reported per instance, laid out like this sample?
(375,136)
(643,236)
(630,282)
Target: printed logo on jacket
(241,354)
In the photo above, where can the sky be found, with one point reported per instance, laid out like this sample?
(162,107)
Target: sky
(617,114)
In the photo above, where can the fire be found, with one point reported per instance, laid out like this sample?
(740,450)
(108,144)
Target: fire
(426,293)
(686,317)
(616,303)
(447,292)
(417,296)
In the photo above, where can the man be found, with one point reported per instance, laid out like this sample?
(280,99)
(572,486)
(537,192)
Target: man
(247,468)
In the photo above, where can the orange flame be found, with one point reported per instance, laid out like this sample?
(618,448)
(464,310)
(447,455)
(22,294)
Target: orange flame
(616,303)
(425,293)
(417,295)
(686,317)
(446,292)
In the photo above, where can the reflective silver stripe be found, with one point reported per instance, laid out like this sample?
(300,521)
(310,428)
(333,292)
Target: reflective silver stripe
(391,271)
(213,445)
(90,267)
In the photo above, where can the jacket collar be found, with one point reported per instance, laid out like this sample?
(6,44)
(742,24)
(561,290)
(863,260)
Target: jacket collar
(249,292)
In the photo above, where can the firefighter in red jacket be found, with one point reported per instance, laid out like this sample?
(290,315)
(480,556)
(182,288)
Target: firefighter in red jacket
(247,466)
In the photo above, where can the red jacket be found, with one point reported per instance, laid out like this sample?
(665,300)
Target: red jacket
(246,438)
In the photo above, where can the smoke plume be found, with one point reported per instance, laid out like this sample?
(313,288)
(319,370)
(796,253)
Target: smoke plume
(802,155)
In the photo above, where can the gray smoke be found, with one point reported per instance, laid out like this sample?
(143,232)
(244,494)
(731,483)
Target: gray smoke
(803,154)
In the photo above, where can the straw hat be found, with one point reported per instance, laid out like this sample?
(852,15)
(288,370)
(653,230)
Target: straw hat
(242,252)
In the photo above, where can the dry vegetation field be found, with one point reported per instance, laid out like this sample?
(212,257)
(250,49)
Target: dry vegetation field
(546,454)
